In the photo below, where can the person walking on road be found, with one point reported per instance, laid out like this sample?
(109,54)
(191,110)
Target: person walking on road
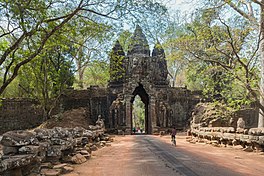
(173,136)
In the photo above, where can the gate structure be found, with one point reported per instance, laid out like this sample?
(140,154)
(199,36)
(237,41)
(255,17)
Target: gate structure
(137,72)
(140,73)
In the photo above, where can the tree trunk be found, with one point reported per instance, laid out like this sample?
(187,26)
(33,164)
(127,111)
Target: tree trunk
(261,116)
(81,73)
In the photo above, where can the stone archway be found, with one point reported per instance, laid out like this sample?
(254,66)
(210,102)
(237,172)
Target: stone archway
(143,73)
(141,92)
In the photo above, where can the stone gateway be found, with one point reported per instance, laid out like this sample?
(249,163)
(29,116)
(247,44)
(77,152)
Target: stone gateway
(136,72)
(145,75)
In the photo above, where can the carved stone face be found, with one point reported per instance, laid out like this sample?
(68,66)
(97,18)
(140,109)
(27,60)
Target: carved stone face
(135,62)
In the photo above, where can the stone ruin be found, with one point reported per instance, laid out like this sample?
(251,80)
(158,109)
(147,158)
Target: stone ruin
(210,126)
(19,113)
(49,151)
(137,72)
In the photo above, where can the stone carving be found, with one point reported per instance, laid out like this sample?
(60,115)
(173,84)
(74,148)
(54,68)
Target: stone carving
(100,122)
(139,43)
(117,111)
(163,114)
(150,72)
(227,135)
(241,123)
(232,122)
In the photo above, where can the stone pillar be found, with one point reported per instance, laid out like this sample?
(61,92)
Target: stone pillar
(152,116)
(128,114)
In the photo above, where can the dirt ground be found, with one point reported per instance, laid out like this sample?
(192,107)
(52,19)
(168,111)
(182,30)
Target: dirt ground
(144,156)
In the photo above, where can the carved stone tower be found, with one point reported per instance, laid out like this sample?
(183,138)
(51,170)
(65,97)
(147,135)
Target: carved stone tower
(138,73)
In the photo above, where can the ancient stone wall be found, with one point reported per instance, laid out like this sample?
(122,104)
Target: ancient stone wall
(94,99)
(250,116)
(19,114)
(182,102)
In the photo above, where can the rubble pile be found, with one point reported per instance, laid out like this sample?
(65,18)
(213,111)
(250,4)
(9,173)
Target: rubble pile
(48,151)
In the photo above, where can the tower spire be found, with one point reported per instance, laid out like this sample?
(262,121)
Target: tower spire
(158,50)
(117,57)
(139,43)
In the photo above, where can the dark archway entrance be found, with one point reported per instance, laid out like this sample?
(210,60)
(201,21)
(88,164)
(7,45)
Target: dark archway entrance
(141,92)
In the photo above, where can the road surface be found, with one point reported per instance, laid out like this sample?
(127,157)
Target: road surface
(147,155)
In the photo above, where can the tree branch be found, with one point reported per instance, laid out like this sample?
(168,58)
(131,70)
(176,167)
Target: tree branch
(241,12)
(32,56)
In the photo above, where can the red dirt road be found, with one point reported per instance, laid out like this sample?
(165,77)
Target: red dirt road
(146,155)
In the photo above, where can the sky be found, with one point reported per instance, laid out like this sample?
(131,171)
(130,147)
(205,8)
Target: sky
(182,5)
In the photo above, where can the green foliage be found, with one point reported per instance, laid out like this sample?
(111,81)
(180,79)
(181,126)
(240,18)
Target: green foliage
(138,113)
(46,77)
(117,68)
(29,27)
(97,73)
(215,55)
(124,39)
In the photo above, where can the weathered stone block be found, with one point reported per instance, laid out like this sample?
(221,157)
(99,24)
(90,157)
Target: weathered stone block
(54,151)
(256,131)
(59,166)
(46,165)
(29,149)
(94,148)
(77,132)
(92,127)
(19,138)
(253,138)
(67,169)
(261,140)
(51,172)
(244,138)
(240,130)
(43,134)
(10,150)
(78,159)
(88,133)
(59,141)
(16,161)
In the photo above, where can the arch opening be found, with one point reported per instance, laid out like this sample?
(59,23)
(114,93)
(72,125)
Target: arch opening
(140,104)
(138,116)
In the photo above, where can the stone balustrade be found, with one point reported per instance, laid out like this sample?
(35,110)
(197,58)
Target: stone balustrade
(32,152)
(249,138)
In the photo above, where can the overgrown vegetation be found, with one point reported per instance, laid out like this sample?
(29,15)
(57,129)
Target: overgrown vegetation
(138,113)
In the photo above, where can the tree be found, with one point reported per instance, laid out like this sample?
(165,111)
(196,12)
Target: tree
(174,56)
(89,45)
(96,73)
(27,26)
(45,78)
(253,11)
(139,113)
(219,52)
